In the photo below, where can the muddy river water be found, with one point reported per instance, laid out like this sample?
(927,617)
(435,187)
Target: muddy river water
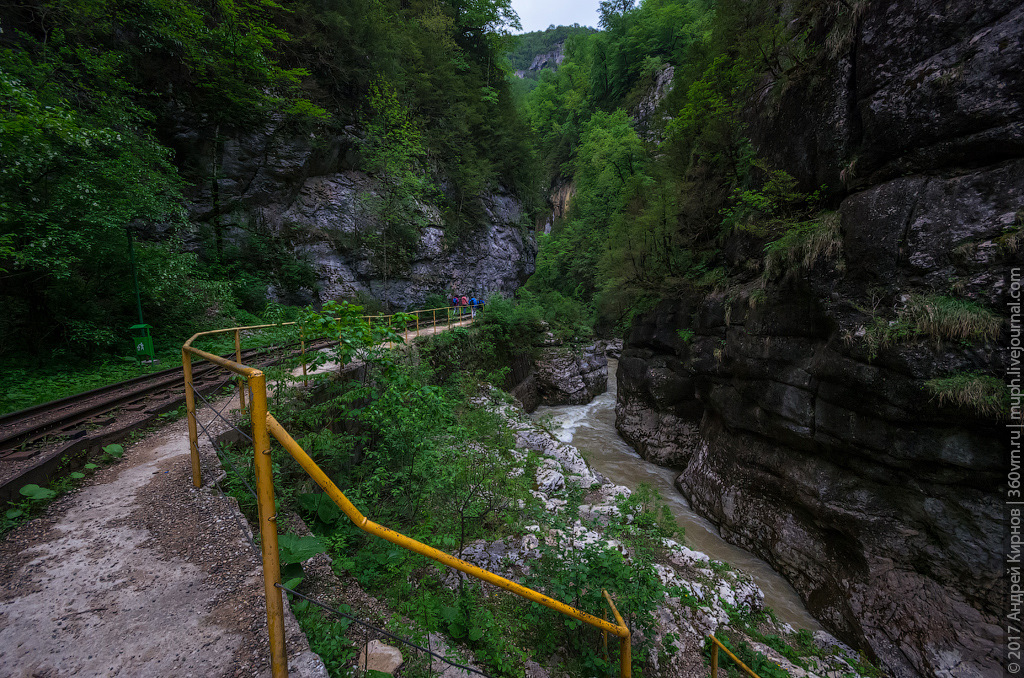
(591,428)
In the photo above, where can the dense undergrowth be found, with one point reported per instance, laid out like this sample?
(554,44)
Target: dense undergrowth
(416,450)
(419,446)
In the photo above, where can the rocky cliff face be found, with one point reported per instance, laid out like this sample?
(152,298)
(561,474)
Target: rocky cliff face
(280,184)
(563,375)
(829,459)
(643,112)
(551,60)
(559,198)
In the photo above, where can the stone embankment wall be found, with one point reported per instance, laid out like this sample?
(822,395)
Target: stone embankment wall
(831,461)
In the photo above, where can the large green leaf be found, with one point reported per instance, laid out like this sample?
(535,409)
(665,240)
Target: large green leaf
(321,505)
(36,493)
(295,549)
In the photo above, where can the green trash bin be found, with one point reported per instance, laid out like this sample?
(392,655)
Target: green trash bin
(143,342)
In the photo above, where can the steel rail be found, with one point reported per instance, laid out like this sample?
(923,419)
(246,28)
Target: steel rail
(64,414)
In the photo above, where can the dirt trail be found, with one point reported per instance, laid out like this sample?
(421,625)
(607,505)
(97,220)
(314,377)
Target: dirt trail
(139,574)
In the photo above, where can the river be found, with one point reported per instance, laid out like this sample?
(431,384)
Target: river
(591,429)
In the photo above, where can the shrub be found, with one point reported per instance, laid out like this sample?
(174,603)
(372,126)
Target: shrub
(882,333)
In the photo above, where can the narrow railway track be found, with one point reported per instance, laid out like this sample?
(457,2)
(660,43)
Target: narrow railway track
(33,440)
(36,441)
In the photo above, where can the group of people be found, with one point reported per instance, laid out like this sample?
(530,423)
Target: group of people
(465,304)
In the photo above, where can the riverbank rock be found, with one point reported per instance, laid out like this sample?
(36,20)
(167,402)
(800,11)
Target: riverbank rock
(571,375)
(611,347)
(702,594)
(376,656)
(562,374)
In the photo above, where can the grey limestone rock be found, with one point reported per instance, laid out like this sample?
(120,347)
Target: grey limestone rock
(309,196)
(571,375)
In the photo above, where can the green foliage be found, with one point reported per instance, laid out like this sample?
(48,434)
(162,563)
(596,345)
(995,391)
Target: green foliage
(578,573)
(655,226)
(608,174)
(86,88)
(941,318)
(802,244)
(36,493)
(113,451)
(327,638)
(394,152)
(983,394)
(91,91)
(296,549)
(320,507)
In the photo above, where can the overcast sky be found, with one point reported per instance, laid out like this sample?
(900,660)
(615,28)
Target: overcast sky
(536,15)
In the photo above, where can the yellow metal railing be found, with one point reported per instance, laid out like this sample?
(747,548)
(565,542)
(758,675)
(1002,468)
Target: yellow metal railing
(715,645)
(263,426)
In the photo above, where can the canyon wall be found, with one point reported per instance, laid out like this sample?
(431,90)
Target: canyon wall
(306,193)
(823,454)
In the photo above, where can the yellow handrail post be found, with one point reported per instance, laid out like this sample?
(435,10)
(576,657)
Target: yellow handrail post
(190,409)
(604,638)
(268,525)
(716,644)
(625,649)
(417,324)
(238,359)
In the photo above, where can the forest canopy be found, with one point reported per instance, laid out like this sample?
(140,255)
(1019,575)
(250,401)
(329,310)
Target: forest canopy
(663,187)
(97,98)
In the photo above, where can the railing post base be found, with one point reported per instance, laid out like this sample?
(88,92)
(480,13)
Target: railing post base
(190,410)
(268,526)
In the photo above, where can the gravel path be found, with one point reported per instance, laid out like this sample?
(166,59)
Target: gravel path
(139,574)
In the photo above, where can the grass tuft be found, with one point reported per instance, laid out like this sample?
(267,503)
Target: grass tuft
(951,318)
(803,244)
(941,318)
(984,394)
(1013,239)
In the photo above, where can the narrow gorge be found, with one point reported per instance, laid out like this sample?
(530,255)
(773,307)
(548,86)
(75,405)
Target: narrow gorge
(827,455)
(790,233)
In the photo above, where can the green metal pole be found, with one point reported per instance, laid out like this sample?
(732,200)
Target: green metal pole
(135,277)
